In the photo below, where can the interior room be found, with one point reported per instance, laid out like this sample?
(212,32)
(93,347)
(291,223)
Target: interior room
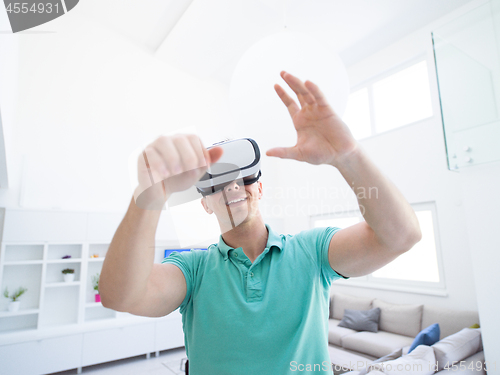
(84,92)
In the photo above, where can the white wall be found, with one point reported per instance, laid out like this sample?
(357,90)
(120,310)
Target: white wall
(480,193)
(87,98)
(9,46)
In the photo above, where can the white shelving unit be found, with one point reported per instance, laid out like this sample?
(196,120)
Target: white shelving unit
(61,320)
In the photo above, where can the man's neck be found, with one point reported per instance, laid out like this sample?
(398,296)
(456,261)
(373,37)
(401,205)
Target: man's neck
(251,236)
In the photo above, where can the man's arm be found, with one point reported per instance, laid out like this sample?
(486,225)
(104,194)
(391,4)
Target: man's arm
(130,281)
(391,226)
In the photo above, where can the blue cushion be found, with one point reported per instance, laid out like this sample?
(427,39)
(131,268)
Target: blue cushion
(427,336)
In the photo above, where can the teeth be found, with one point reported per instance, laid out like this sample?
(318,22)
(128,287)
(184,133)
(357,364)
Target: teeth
(237,200)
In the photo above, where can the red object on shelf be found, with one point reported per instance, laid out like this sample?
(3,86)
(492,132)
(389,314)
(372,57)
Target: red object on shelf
(98,298)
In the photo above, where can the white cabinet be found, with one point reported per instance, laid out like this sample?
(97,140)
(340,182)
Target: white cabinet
(169,333)
(49,300)
(41,356)
(111,344)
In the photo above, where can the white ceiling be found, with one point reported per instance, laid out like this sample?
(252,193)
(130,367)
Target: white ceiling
(207,38)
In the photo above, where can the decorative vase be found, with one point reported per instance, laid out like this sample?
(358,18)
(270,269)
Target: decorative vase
(69,277)
(98,297)
(14,306)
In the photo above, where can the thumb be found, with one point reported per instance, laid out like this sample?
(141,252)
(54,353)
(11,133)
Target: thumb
(214,154)
(211,156)
(283,152)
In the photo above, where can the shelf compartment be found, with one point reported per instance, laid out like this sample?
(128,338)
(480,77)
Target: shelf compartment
(15,253)
(17,323)
(27,276)
(55,275)
(56,252)
(99,249)
(93,269)
(60,306)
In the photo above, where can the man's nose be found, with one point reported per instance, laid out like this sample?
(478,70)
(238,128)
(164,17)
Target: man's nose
(233,185)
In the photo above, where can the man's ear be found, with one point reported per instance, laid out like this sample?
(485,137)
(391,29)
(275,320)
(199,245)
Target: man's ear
(205,206)
(261,191)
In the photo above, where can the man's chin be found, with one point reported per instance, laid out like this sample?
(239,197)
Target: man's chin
(236,219)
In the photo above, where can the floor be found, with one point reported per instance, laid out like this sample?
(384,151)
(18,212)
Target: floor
(167,363)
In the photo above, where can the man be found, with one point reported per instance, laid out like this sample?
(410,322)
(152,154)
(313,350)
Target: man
(256,302)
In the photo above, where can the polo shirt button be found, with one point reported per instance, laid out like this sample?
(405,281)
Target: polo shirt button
(251,274)
(236,255)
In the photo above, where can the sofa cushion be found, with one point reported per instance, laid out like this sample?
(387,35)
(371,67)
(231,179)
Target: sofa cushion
(473,365)
(394,355)
(361,320)
(427,336)
(375,344)
(335,333)
(421,361)
(344,301)
(401,319)
(450,321)
(343,359)
(457,347)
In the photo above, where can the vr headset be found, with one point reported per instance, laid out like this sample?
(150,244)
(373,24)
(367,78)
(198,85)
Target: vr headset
(239,162)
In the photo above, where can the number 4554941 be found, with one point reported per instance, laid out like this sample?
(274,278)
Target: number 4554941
(34,8)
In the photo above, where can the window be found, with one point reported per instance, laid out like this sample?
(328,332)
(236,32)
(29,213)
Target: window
(402,98)
(382,104)
(418,270)
(357,114)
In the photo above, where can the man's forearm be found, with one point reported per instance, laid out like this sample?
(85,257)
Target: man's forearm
(129,259)
(383,206)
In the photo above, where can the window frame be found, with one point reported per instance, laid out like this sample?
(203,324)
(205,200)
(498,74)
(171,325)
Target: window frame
(368,84)
(408,286)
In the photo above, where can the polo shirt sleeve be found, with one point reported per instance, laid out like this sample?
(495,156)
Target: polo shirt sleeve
(319,240)
(189,263)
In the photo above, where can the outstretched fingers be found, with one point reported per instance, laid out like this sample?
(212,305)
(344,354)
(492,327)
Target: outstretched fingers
(292,107)
(316,92)
(303,94)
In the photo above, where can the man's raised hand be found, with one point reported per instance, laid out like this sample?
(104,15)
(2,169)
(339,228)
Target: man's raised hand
(171,164)
(322,136)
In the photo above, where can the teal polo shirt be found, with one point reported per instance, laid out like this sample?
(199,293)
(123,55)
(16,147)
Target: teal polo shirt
(265,317)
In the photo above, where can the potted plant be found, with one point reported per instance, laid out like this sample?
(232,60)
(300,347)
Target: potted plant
(69,274)
(14,303)
(95,285)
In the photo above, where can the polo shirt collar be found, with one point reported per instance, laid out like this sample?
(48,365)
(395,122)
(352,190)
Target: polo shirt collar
(273,239)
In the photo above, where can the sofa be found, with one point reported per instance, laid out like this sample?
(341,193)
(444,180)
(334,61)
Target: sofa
(398,326)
